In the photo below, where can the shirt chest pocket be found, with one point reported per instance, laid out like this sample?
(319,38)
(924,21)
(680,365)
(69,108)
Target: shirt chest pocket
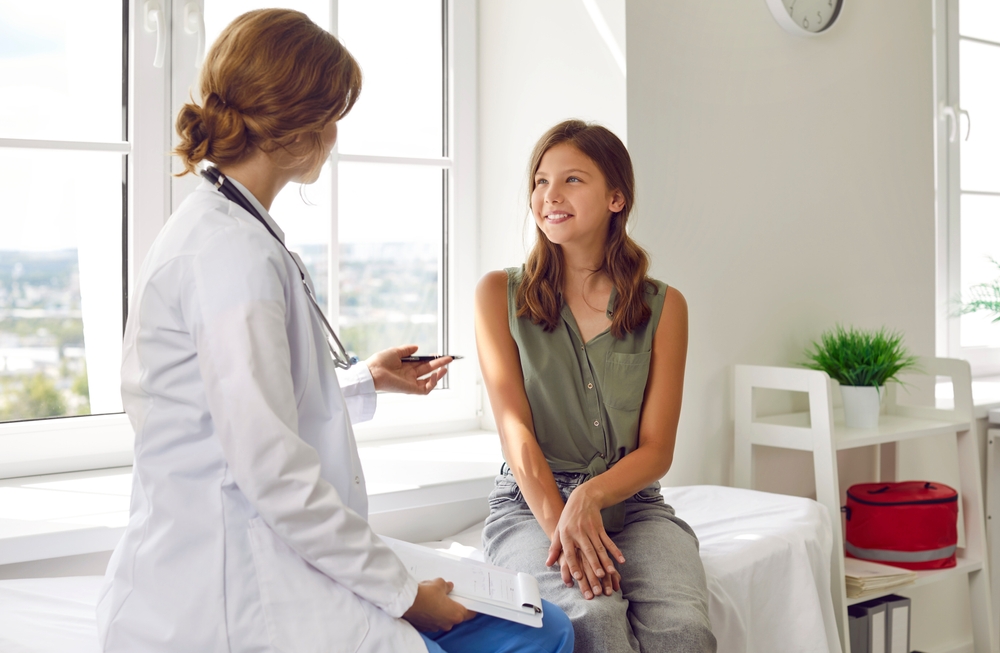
(625,380)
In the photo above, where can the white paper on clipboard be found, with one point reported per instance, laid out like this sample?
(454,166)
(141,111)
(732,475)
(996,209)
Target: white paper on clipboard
(479,586)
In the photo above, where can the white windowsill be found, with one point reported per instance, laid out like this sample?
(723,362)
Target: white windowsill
(58,515)
(985,395)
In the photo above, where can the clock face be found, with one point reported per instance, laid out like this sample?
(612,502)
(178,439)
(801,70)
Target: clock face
(812,15)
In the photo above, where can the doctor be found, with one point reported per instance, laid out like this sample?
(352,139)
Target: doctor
(248,526)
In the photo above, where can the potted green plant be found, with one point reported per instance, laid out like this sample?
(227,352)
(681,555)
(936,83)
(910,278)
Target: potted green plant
(862,362)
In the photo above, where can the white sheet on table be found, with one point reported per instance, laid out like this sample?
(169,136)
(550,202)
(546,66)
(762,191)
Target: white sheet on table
(766,556)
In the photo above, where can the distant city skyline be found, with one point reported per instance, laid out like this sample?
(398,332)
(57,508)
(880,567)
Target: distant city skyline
(388,296)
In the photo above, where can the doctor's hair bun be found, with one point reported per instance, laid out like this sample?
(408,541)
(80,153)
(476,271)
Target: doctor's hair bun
(272,76)
(213,131)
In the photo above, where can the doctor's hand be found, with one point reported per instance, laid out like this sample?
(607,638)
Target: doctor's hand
(582,547)
(391,374)
(433,611)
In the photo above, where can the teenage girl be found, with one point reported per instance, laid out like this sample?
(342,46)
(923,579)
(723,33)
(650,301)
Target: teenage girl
(583,357)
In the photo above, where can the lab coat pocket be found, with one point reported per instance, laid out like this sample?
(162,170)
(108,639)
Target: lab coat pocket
(625,380)
(305,610)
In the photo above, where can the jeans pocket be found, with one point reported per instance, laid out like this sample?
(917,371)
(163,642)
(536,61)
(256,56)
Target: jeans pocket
(505,491)
(649,495)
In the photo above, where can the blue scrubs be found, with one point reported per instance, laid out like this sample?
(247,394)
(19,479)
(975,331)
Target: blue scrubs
(485,634)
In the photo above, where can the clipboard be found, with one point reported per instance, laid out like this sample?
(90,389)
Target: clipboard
(479,586)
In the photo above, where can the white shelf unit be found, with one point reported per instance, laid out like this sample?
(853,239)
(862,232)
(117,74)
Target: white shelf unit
(821,431)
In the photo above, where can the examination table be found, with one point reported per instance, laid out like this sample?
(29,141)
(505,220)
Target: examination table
(766,556)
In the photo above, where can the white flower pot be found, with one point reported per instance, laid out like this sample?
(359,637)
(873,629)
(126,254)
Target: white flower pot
(861,405)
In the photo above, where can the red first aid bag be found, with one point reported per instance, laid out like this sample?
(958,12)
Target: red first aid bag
(913,524)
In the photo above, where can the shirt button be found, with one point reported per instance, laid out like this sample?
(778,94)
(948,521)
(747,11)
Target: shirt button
(601,455)
(590,386)
(596,423)
(357,480)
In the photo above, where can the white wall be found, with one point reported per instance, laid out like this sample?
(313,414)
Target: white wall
(785,184)
(539,63)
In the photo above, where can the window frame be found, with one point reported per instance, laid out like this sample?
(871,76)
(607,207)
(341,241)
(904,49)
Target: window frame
(984,361)
(101,441)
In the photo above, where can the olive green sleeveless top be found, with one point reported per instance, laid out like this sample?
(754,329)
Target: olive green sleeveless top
(585,397)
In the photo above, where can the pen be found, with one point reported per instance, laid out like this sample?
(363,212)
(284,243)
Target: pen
(424,359)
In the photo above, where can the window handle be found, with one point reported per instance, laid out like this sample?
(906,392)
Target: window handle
(153,22)
(954,115)
(968,121)
(194,23)
(948,113)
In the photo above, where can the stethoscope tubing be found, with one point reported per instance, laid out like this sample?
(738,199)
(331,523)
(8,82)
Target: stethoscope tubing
(340,357)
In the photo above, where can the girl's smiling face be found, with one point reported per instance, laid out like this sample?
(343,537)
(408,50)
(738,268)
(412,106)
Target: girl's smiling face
(571,200)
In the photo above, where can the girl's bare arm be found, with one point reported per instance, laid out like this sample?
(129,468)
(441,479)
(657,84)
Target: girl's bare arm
(501,368)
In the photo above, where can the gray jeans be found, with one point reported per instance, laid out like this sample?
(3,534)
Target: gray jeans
(663,603)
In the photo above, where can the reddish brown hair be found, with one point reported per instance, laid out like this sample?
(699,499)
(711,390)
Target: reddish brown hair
(539,295)
(272,75)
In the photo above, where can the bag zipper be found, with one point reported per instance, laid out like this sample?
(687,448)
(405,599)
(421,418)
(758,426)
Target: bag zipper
(903,503)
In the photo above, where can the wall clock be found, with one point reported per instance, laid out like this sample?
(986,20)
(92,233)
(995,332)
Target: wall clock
(805,17)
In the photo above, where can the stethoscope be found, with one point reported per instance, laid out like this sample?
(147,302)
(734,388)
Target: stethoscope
(233,194)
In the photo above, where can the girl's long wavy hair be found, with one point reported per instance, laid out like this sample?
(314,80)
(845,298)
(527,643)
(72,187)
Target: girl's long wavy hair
(271,76)
(539,295)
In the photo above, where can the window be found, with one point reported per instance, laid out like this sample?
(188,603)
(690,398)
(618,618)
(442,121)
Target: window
(393,147)
(61,176)
(967,56)
(388,233)
(65,157)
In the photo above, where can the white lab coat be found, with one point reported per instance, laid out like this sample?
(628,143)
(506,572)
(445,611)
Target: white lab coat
(248,526)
